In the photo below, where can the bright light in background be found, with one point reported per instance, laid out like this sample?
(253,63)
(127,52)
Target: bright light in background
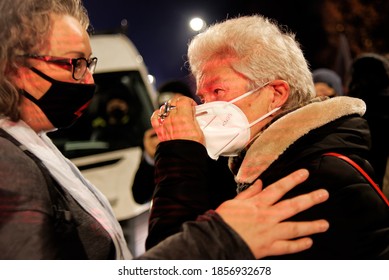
(151,79)
(197,24)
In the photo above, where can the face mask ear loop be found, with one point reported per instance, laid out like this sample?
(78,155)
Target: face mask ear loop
(264,116)
(248,93)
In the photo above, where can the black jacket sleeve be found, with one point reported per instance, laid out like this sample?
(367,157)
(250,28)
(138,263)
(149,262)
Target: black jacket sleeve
(207,238)
(181,192)
(188,183)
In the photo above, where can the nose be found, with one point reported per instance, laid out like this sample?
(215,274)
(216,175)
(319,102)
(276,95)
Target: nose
(88,78)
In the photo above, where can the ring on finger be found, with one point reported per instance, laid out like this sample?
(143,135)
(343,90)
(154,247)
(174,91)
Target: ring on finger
(165,109)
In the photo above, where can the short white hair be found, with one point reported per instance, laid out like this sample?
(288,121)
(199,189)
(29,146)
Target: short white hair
(263,51)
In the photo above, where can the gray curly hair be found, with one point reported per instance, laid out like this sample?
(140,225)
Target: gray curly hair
(25,27)
(263,51)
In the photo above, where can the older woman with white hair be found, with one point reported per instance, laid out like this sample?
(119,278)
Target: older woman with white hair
(261,110)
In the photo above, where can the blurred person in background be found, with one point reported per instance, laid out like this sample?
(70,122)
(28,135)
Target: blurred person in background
(369,80)
(116,124)
(327,82)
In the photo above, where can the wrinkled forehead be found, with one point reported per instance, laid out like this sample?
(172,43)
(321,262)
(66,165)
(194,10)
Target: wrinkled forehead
(217,71)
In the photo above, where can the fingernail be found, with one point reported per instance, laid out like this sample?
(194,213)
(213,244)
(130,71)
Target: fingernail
(324,225)
(322,194)
(308,242)
(303,173)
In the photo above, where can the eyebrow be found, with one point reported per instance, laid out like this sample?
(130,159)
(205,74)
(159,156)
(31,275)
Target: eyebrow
(77,54)
(210,82)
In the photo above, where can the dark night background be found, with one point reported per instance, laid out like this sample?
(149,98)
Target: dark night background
(161,33)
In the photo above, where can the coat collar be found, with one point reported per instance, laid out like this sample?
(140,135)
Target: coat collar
(282,133)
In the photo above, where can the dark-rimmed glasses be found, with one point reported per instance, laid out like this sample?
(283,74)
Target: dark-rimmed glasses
(77,66)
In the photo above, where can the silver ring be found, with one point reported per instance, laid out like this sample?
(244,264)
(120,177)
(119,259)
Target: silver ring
(165,109)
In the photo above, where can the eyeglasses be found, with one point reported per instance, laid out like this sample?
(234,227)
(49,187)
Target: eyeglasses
(78,66)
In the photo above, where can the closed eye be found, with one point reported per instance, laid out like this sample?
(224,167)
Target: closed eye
(210,95)
(217,90)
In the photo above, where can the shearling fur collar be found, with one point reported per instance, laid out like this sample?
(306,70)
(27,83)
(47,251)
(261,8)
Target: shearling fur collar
(275,139)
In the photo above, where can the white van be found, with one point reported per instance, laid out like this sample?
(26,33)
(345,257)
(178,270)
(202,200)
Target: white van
(108,154)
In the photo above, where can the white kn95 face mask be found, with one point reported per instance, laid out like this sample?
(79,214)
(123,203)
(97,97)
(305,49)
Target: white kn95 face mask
(225,127)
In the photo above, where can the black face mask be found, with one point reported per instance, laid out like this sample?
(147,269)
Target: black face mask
(63,103)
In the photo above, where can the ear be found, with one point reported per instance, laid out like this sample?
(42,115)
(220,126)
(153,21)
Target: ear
(280,93)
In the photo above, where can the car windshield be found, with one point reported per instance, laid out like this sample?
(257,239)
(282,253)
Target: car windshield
(116,119)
